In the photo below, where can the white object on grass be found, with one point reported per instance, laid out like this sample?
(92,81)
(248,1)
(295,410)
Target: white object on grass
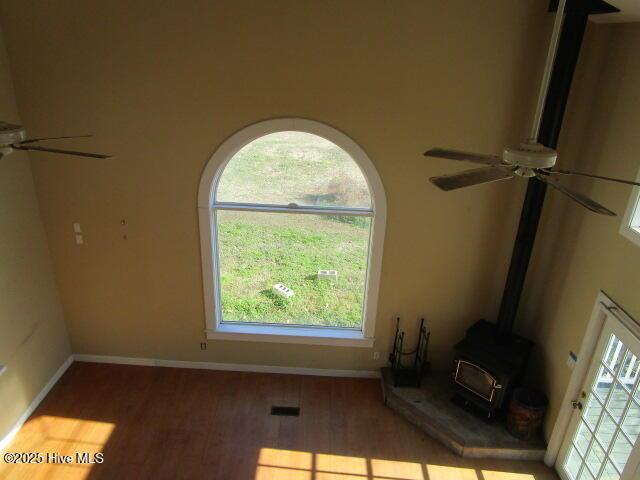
(328,275)
(3,369)
(280,289)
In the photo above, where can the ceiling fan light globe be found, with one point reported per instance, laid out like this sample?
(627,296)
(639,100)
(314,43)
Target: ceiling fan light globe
(530,155)
(10,134)
(525,172)
(4,151)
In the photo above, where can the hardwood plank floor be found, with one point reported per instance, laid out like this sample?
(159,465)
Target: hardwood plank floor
(157,423)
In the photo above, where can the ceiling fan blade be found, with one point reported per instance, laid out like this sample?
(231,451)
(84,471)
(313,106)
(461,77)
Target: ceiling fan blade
(464,156)
(580,174)
(33,140)
(467,178)
(578,197)
(57,150)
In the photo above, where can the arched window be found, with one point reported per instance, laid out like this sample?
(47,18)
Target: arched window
(292,216)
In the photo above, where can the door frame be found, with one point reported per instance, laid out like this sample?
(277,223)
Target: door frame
(604,307)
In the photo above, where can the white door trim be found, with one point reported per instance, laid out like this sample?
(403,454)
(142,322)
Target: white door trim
(604,306)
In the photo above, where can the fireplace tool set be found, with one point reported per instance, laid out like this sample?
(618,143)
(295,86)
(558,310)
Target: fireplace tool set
(409,373)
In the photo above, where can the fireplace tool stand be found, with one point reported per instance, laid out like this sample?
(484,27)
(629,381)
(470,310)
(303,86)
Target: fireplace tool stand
(404,376)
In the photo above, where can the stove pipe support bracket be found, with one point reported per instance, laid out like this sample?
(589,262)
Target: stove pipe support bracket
(576,16)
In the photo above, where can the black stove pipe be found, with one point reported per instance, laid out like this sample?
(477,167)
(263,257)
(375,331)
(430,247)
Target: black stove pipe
(576,16)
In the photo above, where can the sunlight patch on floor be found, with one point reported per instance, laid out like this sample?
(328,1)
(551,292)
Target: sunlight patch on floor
(396,470)
(341,464)
(283,464)
(61,436)
(273,457)
(70,433)
(492,475)
(443,472)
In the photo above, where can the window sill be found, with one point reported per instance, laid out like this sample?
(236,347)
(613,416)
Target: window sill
(337,337)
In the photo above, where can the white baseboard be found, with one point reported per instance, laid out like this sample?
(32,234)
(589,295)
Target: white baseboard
(235,367)
(4,441)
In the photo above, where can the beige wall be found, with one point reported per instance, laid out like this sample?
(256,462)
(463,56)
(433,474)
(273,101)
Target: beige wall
(33,337)
(580,253)
(162,84)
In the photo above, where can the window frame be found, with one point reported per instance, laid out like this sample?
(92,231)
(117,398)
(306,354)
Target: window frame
(207,217)
(632,215)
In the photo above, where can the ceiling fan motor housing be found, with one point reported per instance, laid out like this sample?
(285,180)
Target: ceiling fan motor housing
(528,157)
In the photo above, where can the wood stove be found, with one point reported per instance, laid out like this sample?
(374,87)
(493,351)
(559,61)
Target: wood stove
(487,366)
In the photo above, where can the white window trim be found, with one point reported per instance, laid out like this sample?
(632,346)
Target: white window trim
(215,328)
(632,215)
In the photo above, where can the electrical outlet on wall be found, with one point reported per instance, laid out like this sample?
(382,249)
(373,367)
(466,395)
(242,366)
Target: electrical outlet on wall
(203,346)
(376,355)
(77,233)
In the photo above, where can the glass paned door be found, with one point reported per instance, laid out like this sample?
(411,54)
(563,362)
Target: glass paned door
(602,441)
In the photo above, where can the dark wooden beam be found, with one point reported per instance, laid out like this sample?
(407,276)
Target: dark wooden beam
(576,16)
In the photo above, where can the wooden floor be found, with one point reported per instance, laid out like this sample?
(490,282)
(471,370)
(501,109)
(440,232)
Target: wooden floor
(165,423)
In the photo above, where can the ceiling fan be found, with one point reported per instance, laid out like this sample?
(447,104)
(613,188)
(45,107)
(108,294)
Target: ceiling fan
(528,159)
(13,137)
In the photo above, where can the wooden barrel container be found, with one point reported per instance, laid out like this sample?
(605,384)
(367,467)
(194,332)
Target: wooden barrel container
(527,408)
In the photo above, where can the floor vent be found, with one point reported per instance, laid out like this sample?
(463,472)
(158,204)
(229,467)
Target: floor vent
(285,411)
